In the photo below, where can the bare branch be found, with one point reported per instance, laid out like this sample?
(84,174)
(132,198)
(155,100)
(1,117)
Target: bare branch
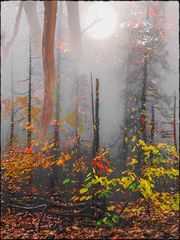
(91,25)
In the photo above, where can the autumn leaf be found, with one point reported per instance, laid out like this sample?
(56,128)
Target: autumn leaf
(29,150)
(47,164)
(133,161)
(83,190)
(60,161)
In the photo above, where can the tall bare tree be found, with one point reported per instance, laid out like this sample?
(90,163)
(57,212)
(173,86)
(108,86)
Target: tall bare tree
(12,105)
(97,117)
(29,131)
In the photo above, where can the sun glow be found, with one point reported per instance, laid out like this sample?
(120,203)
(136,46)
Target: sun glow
(101,20)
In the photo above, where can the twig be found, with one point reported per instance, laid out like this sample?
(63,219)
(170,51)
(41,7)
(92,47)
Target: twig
(95,21)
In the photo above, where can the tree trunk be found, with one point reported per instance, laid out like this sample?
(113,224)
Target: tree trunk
(77,136)
(29,132)
(174,124)
(15,31)
(127,119)
(97,117)
(143,103)
(34,24)
(48,63)
(152,124)
(33,21)
(12,106)
(142,128)
(93,120)
(57,113)
(74,28)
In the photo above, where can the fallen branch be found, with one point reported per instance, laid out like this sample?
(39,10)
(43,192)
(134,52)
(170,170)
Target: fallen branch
(27,208)
(72,215)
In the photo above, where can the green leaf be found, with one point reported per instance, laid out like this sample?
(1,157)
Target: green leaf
(89,174)
(88,178)
(105,194)
(108,214)
(107,222)
(98,223)
(88,184)
(67,180)
(171,175)
(115,218)
(175,207)
(133,186)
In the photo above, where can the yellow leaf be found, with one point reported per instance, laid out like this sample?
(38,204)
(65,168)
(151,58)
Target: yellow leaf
(76,198)
(60,161)
(83,190)
(82,198)
(47,164)
(133,139)
(133,161)
(67,156)
(111,208)
(88,197)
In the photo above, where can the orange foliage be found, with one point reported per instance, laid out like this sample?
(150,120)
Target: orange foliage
(101,163)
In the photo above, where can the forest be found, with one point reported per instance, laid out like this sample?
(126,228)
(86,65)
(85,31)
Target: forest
(89,120)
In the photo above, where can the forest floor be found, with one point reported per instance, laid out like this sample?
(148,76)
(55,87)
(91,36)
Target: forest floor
(23,225)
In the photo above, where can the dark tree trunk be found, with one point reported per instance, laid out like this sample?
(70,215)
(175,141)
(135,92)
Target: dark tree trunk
(174,124)
(143,103)
(142,129)
(93,120)
(127,119)
(152,124)
(29,131)
(12,106)
(97,117)
(48,63)
(57,115)
(77,136)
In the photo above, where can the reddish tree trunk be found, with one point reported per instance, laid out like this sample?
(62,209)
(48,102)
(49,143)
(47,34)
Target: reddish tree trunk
(48,63)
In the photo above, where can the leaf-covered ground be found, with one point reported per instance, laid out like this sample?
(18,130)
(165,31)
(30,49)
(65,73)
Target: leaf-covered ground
(23,225)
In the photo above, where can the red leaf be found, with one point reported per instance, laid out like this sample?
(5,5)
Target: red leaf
(29,150)
(142,121)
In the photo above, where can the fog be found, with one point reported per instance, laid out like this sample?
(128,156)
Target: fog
(104,58)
